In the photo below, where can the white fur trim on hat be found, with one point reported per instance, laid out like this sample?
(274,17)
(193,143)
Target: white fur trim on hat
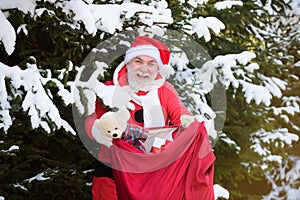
(116,73)
(147,50)
(166,70)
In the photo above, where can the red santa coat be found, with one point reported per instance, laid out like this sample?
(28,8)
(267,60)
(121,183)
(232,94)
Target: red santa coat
(171,105)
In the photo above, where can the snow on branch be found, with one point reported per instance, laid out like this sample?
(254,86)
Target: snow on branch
(274,85)
(109,17)
(38,177)
(85,92)
(279,138)
(201,27)
(257,93)
(106,17)
(227,4)
(230,142)
(220,192)
(285,180)
(237,70)
(282,171)
(26,6)
(38,102)
(290,106)
(7,34)
(192,83)
(195,3)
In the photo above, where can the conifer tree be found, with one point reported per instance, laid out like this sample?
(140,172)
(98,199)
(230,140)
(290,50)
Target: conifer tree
(49,161)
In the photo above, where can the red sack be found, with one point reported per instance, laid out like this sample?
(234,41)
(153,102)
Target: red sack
(183,170)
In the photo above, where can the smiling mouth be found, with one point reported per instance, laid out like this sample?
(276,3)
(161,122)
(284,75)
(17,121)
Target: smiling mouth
(142,75)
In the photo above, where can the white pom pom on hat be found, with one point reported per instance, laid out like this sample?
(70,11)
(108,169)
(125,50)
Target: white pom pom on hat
(147,46)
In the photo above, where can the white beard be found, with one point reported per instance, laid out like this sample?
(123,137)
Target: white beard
(136,85)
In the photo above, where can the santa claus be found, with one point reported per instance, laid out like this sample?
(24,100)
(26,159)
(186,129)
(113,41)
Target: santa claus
(154,101)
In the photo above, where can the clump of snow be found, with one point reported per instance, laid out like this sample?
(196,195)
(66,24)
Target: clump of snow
(81,13)
(161,14)
(201,27)
(179,59)
(274,85)
(230,142)
(11,150)
(18,185)
(26,6)
(195,3)
(23,29)
(252,67)
(7,34)
(40,11)
(257,93)
(91,89)
(220,192)
(227,4)
(107,17)
(4,103)
(38,177)
(230,64)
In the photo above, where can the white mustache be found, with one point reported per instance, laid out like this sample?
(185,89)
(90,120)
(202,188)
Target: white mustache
(139,73)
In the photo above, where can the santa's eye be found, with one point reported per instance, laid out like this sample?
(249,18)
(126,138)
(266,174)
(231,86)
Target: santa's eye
(116,128)
(138,62)
(108,131)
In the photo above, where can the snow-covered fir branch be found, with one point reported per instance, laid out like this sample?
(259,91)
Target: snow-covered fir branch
(238,70)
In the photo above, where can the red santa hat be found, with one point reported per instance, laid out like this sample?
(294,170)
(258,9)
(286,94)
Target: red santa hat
(144,45)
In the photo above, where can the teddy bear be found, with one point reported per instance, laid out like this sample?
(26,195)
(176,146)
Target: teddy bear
(112,124)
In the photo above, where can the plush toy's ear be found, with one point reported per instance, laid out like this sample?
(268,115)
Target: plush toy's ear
(105,122)
(100,137)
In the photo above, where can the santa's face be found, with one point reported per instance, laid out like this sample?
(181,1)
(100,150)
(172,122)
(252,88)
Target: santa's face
(141,70)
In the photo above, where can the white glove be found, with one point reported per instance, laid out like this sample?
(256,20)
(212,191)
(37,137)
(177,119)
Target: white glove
(186,120)
(210,127)
(99,136)
(211,131)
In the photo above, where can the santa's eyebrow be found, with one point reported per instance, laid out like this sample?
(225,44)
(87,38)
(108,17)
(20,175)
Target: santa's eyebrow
(152,59)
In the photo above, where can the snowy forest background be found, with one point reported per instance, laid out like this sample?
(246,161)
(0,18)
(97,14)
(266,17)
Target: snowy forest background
(254,47)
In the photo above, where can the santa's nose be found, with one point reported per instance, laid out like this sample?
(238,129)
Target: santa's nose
(144,68)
